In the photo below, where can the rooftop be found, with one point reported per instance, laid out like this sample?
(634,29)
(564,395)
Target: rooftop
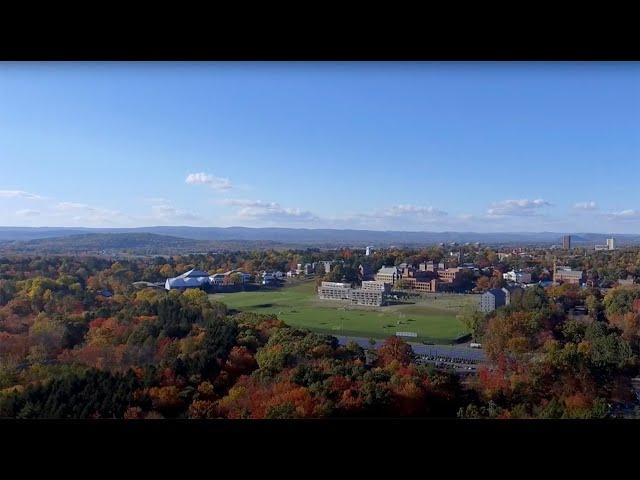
(388,270)
(193,273)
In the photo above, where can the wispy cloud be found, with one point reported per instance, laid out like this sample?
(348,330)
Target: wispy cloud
(624,215)
(248,203)
(270,212)
(25,212)
(201,178)
(413,211)
(588,206)
(71,206)
(404,215)
(518,208)
(166,212)
(19,194)
(87,214)
(274,213)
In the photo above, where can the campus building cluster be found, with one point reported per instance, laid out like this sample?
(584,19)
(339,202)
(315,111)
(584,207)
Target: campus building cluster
(201,279)
(610,245)
(310,268)
(517,276)
(426,278)
(271,278)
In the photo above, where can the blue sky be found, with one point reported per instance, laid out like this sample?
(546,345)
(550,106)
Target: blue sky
(384,146)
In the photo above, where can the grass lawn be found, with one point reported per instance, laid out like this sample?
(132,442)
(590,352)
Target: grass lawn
(433,318)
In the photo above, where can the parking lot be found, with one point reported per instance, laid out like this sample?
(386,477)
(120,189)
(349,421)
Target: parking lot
(459,365)
(462,359)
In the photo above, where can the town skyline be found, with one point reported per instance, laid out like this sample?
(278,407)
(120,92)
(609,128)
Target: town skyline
(431,147)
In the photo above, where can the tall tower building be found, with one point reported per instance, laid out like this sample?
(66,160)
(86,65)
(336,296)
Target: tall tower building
(566,242)
(610,244)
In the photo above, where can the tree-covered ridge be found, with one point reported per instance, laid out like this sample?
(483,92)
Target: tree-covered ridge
(139,243)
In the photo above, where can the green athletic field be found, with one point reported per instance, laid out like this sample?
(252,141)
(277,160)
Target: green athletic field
(432,317)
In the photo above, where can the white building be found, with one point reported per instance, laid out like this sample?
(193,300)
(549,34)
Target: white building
(191,279)
(221,278)
(610,245)
(376,285)
(492,299)
(517,277)
(327,265)
(271,277)
(369,250)
(334,291)
(388,275)
(217,279)
(358,296)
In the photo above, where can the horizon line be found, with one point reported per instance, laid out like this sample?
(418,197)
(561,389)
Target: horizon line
(327,228)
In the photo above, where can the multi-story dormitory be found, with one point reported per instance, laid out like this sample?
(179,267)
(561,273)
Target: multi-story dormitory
(371,293)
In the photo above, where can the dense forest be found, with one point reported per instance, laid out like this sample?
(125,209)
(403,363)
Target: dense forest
(77,340)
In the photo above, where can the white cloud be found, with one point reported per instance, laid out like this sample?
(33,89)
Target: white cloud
(274,213)
(628,214)
(413,210)
(82,214)
(27,213)
(249,203)
(19,194)
(517,207)
(201,178)
(397,216)
(271,212)
(71,206)
(589,206)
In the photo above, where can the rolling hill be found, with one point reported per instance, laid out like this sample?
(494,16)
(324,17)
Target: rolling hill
(132,243)
(311,237)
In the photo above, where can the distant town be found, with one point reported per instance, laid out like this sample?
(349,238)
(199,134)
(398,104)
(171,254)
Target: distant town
(211,333)
(450,275)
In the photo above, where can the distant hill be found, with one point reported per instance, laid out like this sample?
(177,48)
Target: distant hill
(134,243)
(31,233)
(316,237)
